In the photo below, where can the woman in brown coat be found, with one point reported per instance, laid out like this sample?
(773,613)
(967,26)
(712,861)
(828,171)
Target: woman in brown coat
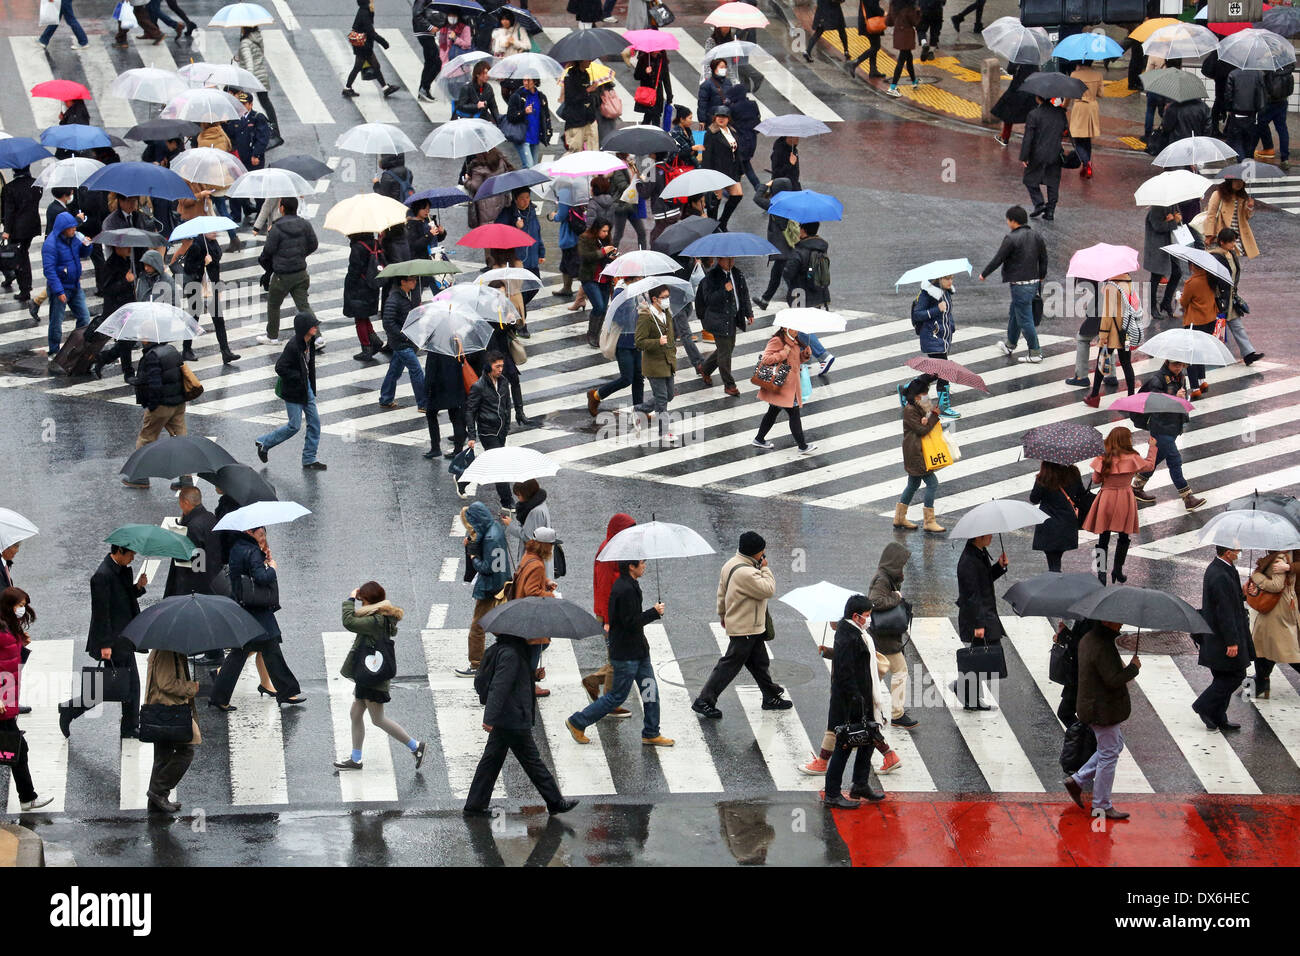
(167,681)
(903,16)
(1199,313)
(784,347)
(531,581)
(1111,338)
(918,420)
(1276,634)
(477,168)
(1230,207)
(1115,509)
(1085,116)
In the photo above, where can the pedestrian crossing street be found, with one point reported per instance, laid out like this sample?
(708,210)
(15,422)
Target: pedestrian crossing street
(260,756)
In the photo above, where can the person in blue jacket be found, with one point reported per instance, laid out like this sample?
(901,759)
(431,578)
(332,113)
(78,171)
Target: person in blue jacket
(61,255)
(487,551)
(521,214)
(932,317)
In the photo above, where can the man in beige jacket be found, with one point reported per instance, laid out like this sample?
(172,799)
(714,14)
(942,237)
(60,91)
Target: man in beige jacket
(744,587)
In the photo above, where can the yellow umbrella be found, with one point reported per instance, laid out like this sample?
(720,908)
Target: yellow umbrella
(598,72)
(1148,27)
(368,212)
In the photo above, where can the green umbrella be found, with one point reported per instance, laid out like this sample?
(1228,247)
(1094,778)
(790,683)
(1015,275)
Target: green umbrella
(418,267)
(152,541)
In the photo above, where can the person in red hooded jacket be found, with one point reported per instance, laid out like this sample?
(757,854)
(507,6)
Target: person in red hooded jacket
(603,575)
(16,615)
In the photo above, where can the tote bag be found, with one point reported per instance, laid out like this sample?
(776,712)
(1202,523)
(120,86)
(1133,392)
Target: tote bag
(934,447)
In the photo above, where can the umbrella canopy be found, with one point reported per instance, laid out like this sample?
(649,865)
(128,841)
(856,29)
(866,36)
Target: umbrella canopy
(486,302)
(822,601)
(148,85)
(1152,403)
(173,457)
(419,267)
(242,483)
(1139,607)
(308,167)
(590,162)
(507,183)
(1172,187)
(441,197)
(681,234)
(730,244)
(525,19)
(367,212)
(14,528)
(1284,21)
(640,140)
(626,302)
(269,184)
(161,130)
(697,181)
(214,167)
(741,16)
(1063,443)
(1206,260)
(1177,85)
(809,321)
(642,262)
(1284,505)
(1249,171)
(948,370)
(805,205)
(193,624)
(1257,50)
(1258,530)
(934,270)
(152,322)
(259,514)
(495,235)
(527,279)
(61,90)
(461,66)
(526,66)
(792,124)
(151,541)
(375,139)
(1017,42)
(587,45)
(1050,594)
(129,238)
(75,137)
(221,74)
(734,50)
(444,327)
(193,228)
(1148,27)
(241,15)
(556,618)
(997,516)
(67,173)
(138,179)
(1188,345)
(206,105)
(1087,46)
(1049,85)
(19,151)
(1102,261)
(509,464)
(1194,150)
(461,138)
(655,539)
(651,41)
(1180,41)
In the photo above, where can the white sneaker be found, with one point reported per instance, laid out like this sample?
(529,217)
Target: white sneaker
(611,20)
(36,804)
(757,443)
(267,340)
(809,450)
(1033,358)
(1005,347)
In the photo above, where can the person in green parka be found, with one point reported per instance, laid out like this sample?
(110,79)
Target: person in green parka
(657,340)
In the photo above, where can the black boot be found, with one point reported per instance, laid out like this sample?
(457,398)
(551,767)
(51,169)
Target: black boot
(523,420)
(594,322)
(727,210)
(367,354)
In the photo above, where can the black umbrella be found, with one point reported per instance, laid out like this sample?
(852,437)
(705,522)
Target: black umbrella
(1139,607)
(1050,594)
(1049,85)
(308,167)
(193,624)
(130,238)
(590,45)
(640,140)
(1283,505)
(522,17)
(509,182)
(542,617)
(173,457)
(161,130)
(680,235)
(242,483)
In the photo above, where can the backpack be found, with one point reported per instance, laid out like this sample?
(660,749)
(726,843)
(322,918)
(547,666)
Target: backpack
(791,233)
(407,190)
(1279,84)
(818,273)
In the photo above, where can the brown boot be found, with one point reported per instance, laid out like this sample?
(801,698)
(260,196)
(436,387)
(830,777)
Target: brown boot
(593,402)
(591,684)
(900,517)
(1190,501)
(930,524)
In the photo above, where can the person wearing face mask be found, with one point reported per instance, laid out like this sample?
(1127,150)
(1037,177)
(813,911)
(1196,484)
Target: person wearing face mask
(783,348)
(657,340)
(713,92)
(16,616)
(454,38)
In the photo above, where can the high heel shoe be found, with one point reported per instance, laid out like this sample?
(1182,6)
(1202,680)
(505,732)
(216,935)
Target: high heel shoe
(1117,578)
(263,691)
(227,709)
(291,700)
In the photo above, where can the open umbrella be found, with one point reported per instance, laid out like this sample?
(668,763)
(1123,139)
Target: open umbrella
(697,181)
(1147,27)
(495,235)
(526,279)
(507,183)
(221,74)
(805,205)
(486,302)
(653,540)
(1253,49)
(588,162)
(461,67)
(374,139)
(809,321)
(1253,530)
(462,137)
(1087,46)
(1177,85)
(681,234)
(1050,594)
(161,130)
(639,140)
(948,370)
(1152,403)
(75,137)
(1063,443)
(444,327)
(1170,188)
(1017,42)
(1284,21)
(308,167)
(19,151)
(625,304)
(651,41)
(822,601)
(236,15)
(1139,607)
(1284,505)
(61,90)
(739,16)
(269,184)
(1206,260)
(148,85)
(1194,150)
(792,124)
(525,19)
(734,50)
(192,624)
(934,270)
(67,173)
(152,322)
(366,212)
(529,617)
(151,541)
(526,66)
(418,267)
(1180,41)
(730,244)
(138,179)
(1102,261)
(175,456)
(205,105)
(204,164)
(1188,345)
(129,238)
(199,225)
(997,516)
(440,197)
(587,45)
(1250,171)
(509,464)
(641,262)
(259,514)
(14,528)
(1050,85)
(242,483)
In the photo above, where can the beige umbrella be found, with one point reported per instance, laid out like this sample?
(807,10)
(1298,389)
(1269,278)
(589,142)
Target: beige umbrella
(368,212)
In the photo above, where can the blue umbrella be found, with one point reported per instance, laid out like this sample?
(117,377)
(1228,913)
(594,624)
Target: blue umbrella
(792,124)
(460,4)
(1087,46)
(75,137)
(509,182)
(804,205)
(439,198)
(200,225)
(137,179)
(20,151)
(730,244)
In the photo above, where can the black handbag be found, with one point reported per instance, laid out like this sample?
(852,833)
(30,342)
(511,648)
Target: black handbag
(558,562)
(110,683)
(660,15)
(982,659)
(1037,305)
(376,663)
(1070,159)
(12,747)
(858,733)
(258,597)
(166,723)
(1080,743)
(1058,665)
(895,621)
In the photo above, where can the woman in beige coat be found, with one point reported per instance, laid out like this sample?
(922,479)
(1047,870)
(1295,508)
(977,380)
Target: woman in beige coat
(1276,634)
(1111,337)
(1230,207)
(1085,116)
(167,681)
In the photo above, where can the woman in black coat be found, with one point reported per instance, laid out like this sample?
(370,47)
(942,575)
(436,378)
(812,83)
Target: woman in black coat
(977,605)
(20,218)
(444,389)
(361,291)
(363,24)
(652,70)
(722,154)
(828,16)
(785,160)
(1059,491)
(1013,106)
(744,120)
(866,10)
(776,226)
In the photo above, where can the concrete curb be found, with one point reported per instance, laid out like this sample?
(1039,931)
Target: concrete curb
(20,846)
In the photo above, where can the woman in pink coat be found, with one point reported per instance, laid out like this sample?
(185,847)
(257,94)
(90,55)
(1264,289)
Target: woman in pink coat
(1115,508)
(784,347)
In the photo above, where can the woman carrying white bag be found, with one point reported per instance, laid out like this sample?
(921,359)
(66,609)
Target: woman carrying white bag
(51,12)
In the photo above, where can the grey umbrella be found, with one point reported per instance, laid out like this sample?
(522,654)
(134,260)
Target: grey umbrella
(555,618)
(173,457)
(193,624)
(1049,85)
(1050,594)
(1283,505)
(792,124)
(1139,607)
(1177,85)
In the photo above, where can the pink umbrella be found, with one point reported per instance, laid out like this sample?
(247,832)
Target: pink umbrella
(1102,261)
(651,41)
(741,16)
(1152,403)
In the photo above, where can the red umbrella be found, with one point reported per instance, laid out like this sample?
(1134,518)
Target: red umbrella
(496,235)
(948,371)
(61,90)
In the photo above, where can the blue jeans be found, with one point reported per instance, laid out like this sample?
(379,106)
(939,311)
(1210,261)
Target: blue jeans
(1020,317)
(1276,115)
(223,206)
(595,298)
(625,673)
(813,343)
(1167,451)
(608,10)
(629,373)
(402,358)
(287,431)
(914,482)
(528,153)
(155,11)
(1148,124)
(77,303)
(68,17)
(1100,768)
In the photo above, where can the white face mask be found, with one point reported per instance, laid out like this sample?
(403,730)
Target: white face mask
(662,304)
(452,18)
(19,611)
(720,71)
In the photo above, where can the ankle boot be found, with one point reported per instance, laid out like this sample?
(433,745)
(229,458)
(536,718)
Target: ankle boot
(1190,501)
(900,517)
(594,322)
(1139,490)
(930,524)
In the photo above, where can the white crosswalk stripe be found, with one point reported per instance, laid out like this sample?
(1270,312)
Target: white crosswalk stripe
(291,79)
(376,781)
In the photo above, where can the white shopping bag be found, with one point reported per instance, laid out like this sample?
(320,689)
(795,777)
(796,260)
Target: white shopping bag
(49,13)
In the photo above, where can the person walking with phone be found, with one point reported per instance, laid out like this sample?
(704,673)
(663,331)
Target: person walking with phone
(1103,704)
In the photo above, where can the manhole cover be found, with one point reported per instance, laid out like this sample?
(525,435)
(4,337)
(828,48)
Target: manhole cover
(963,46)
(1157,642)
(696,670)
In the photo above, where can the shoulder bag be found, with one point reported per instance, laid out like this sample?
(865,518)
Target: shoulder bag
(376,663)
(167,723)
(1259,599)
(897,620)
(660,15)
(770,378)
(648,96)
(257,597)
(193,388)
(858,733)
(518,354)
(357,38)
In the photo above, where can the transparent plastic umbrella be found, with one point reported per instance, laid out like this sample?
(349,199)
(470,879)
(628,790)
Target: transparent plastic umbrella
(1181,41)
(1194,151)
(591,162)
(151,322)
(483,301)
(626,302)
(734,50)
(460,138)
(1018,43)
(68,173)
(516,279)
(148,85)
(446,328)
(1188,345)
(1254,49)
(1206,260)
(697,181)
(655,539)
(269,184)
(526,66)
(221,74)
(642,262)
(241,15)
(368,212)
(375,139)
(792,124)
(463,66)
(206,105)
(1254,530)
(213,167)
(14,528)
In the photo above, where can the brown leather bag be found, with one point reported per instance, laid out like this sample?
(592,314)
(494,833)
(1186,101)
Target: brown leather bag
(1259,599)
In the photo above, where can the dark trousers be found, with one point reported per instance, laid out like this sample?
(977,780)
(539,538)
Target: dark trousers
(1264,670)
(457,418)
(1167,300)
(123,656)
(269,109)
(839,760)
(360,57)
(170,761)
(629,373)
(904,60)
(769,419)
(1125,359)
(931,25)
(1240,133)
(873,48)
(432,61)
(1137,63)
(286,685)
(1069,700)
(1121,552)
(844,37)
(503,490)
(749,653)
(1053,560)
(1049,181)
(1196,373)
(23,267)
(720,359)
(193,289)
(1213,702)
(21,774)
(122,350)
(774,274)
(524,747)
(978,9)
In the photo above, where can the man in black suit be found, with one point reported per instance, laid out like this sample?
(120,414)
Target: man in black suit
(1227,649)
(114,602)
(195,576)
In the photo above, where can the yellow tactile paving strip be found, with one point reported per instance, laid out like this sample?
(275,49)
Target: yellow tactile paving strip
(1116,89)
(1132,142)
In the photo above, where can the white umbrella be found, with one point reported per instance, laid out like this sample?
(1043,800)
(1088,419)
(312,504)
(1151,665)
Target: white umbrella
(151,322)
(241,15)
(996,516)
(221,74)
(259,514)
(509,464)
(695,182)
(1254,49)
(588,162)
(733,50)
(934,270)
(526,66)
(148,84)
(67,173)
(14,528)
(822,601)
(1188,345)
(366,212)
(1206,260)
(1171,188)
(1194,151)
(1253,530)
(655,539)
(199,225)
(642,262)
(1179,41)
(269,184)
(526,279)
(375,139)
(204,164)
(739,16)
(809,321)
(206,105)
(461,138)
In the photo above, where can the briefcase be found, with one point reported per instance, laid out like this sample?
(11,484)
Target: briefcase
(109,683)
(982,659)
(166,724)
